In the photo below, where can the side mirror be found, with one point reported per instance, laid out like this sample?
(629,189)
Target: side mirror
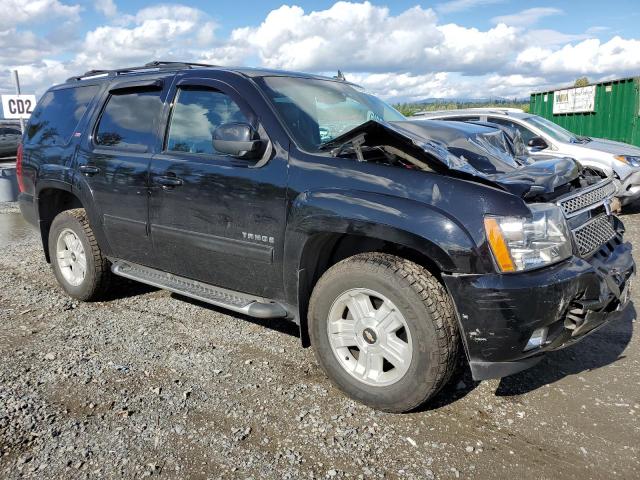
(237,139)
(537,143)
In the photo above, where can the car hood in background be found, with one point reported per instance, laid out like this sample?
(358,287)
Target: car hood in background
(611,146)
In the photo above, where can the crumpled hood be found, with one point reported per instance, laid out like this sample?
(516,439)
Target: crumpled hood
(413,137)
(611,146)
(542,176)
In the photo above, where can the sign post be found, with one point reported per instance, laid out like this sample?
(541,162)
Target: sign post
(17,80)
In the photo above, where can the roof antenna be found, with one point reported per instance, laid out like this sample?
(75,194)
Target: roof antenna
(340,76)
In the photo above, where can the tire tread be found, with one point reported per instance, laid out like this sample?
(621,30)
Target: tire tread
(433,296)
(101,276)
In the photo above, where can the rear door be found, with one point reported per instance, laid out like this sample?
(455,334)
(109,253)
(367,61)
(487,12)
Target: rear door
(213,217)
(114,163)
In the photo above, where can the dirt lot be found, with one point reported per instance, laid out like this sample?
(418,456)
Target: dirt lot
(152,384)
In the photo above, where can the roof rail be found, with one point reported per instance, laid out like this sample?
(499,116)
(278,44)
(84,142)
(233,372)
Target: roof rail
(155,65)
(505,110)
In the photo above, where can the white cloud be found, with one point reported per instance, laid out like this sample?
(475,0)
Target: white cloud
(474,51)
(364,37)
(164,32)
(35,77)
(454,6)
(16,12)
(410,54)
(549,38)
(589,57)
(106,7)
(406,86)
(360,34)
(21,48)
(527,17)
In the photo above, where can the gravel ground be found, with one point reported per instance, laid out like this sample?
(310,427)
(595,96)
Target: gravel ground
(152,384)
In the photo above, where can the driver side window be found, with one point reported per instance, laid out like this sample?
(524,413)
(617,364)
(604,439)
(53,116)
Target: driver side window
(196,114)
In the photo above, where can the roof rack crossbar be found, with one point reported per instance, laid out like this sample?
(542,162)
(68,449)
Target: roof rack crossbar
(156,64)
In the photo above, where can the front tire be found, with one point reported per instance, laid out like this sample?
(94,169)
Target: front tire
(383,329)
(77,262)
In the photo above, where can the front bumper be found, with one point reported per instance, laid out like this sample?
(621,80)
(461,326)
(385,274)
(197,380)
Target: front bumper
(629,188)
(499,312)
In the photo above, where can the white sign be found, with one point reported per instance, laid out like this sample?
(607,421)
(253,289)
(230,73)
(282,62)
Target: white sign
(18,106)
(574,100)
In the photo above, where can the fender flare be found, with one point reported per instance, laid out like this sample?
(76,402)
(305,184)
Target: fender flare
(415,225)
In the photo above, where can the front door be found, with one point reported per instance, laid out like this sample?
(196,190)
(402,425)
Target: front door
(213,217)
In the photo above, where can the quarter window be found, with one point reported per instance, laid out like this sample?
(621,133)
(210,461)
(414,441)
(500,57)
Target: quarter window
(196,114)
(58,114)
(129,120)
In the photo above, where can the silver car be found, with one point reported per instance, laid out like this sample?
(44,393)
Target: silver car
(9,139)
(544,137)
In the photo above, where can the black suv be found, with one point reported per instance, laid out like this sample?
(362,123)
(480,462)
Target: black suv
(287,195)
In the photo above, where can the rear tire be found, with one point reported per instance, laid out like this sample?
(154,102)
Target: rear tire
(417,337)
(77,262)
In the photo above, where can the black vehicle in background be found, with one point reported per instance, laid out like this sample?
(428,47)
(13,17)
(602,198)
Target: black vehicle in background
(292,196)
(10,135)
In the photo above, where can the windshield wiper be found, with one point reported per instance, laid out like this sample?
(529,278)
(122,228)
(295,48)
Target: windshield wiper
(581,139)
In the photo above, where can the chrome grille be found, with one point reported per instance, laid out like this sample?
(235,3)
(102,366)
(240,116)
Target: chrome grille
(585,199)
(596,232)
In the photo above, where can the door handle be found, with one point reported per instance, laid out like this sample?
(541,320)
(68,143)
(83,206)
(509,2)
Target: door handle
(89,170)
(168,182)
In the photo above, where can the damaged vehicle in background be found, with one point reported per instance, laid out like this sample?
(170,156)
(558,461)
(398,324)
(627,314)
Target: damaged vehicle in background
(545,138)
(290,196)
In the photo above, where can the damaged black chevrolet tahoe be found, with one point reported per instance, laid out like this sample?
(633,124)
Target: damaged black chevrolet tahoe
(290,196)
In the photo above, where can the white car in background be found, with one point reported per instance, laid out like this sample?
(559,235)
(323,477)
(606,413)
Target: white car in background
(544,137)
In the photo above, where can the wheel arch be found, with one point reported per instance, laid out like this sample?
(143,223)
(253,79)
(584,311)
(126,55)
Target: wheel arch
(52,199)
(318,237)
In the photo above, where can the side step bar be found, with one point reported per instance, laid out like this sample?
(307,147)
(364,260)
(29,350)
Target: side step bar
(236,301)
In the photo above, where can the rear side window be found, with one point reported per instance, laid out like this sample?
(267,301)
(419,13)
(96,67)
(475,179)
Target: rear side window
(196,114)
(58,114)
(129,119)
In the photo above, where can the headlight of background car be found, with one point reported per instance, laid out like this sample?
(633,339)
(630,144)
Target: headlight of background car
(632,160)
(524,243)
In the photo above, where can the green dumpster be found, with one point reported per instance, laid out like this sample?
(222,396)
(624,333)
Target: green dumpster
(608,109)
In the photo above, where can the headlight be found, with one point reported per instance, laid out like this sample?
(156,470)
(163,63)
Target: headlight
(523,243)
(632,160)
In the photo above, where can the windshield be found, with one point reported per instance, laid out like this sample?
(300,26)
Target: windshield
(554,131)
(316,111)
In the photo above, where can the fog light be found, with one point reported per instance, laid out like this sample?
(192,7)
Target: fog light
(538,337)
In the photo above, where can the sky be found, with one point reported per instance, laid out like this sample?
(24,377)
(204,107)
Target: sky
(399,50)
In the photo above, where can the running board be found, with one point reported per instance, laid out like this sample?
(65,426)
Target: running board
(236,301)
